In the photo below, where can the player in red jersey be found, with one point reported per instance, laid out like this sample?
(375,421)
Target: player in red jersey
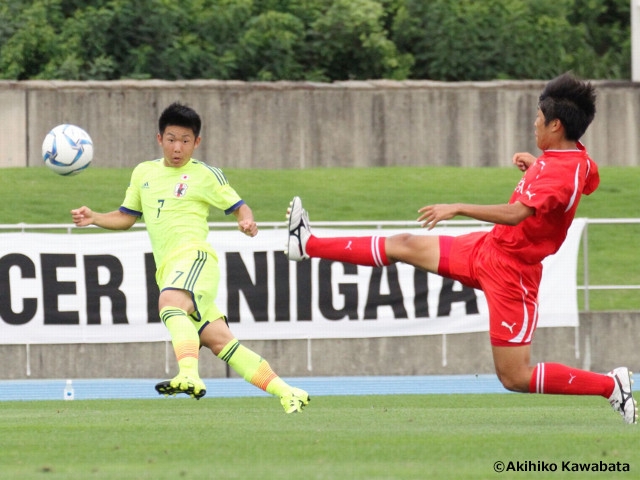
(505,262)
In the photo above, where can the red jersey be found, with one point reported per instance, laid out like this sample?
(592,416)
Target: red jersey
(552,186)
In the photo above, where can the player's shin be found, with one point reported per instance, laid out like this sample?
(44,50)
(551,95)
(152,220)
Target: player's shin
(184,338)
(253,368)
(555,378)
(367,251)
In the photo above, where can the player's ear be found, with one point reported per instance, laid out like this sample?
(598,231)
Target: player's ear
(557,124)
(197,142)
(159,138)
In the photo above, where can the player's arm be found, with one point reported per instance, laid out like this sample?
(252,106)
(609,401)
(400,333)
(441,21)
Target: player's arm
(246,223)
(115,220)
(506,214)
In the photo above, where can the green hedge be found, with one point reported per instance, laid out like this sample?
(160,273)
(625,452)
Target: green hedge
(314,40)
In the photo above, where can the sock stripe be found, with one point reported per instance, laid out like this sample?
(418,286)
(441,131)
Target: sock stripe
(374,251)
(168,313)
(263,376)
(540,378)
(184,337)
(186,349)
(227,356)
(377,251)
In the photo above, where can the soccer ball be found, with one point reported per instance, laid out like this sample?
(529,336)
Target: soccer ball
(67,149)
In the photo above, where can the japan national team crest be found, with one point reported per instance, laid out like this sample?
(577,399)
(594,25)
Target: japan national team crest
(180,190)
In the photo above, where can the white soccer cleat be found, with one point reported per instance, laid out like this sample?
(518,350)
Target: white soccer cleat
(299,231)
(622,399)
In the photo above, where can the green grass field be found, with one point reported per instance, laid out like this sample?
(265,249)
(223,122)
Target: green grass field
(389,193)
(342,194)
(347,437)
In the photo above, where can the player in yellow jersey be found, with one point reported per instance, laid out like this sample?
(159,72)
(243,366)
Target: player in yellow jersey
(173,196)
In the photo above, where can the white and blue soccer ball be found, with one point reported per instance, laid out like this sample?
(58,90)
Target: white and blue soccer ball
(67,149)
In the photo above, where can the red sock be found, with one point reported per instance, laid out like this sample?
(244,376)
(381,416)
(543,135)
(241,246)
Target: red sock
(368,251)
(561,379)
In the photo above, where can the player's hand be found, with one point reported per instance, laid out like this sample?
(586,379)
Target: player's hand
(82,216)
(432,214)
(523,160)
(248,227)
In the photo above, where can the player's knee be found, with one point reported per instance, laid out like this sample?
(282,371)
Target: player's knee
(508,383)
(513,381)
(418,250)
(399,242)
(403,247)
(216,335)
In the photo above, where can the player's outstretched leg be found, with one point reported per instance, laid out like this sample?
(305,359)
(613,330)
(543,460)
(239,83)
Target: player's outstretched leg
(194,387)
(301,244)
(622,399)
(299,231)
(257,371)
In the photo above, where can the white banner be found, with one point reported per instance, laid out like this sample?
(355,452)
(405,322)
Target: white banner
(100,288)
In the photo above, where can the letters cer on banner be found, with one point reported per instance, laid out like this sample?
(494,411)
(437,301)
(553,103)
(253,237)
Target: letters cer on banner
(100,288)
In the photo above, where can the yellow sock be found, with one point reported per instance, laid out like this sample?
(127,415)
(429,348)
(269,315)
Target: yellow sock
(253,368)
(184,337)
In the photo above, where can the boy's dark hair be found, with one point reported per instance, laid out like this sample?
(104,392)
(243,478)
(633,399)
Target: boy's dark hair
(181,116)
(570,100)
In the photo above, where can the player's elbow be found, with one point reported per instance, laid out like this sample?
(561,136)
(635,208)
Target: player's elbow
(124,221)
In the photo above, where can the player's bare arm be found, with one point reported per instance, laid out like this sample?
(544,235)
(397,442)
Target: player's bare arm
(523,160)
(115,220)
(506,214)
(246,223)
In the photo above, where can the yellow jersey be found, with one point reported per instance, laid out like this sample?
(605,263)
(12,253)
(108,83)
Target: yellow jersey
(174,204)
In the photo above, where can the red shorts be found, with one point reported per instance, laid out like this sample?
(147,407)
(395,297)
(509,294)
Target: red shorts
(510,286)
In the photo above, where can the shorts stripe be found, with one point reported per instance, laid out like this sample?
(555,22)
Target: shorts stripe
(194,272)
(534,323)
(525,315)
(529,317)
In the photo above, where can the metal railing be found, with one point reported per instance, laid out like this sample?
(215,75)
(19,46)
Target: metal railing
(586,286)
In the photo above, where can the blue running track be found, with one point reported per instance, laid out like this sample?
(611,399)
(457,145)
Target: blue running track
(92,389)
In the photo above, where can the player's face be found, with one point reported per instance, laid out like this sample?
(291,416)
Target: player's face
(178,144)
(545,134)
(540,130)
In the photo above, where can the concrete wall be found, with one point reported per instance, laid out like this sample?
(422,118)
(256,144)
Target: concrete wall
(299,125)
(602,342)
